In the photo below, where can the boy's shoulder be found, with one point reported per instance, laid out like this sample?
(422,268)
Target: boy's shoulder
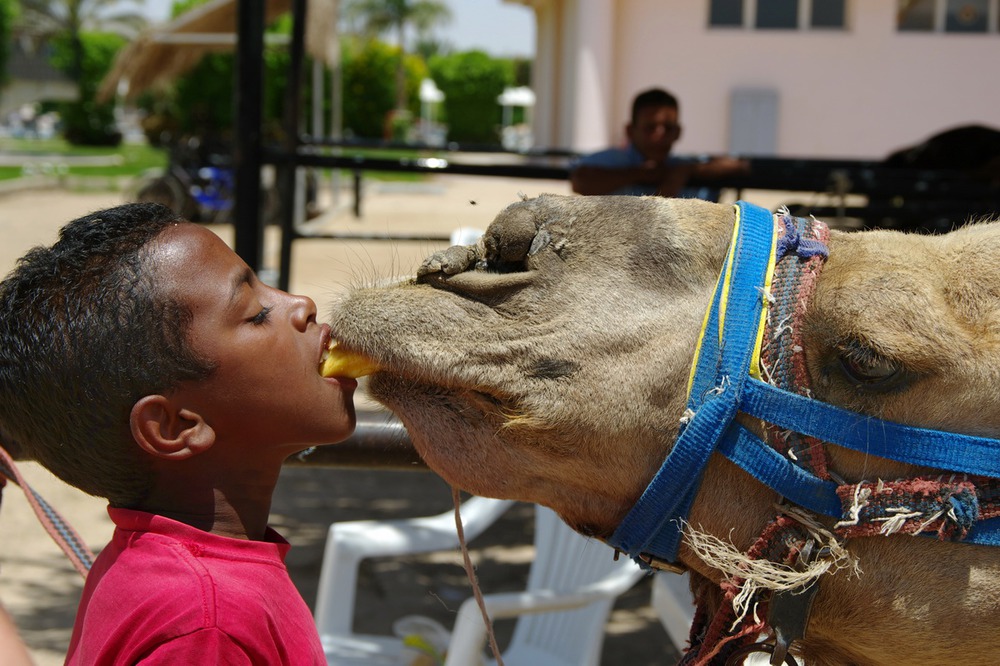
(140,535)
(159,582)
(153,561)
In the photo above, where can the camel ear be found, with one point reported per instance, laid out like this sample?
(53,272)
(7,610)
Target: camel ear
(165,430)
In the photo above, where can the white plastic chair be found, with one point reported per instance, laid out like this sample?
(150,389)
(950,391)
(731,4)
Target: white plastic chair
(572,585)
(674,605)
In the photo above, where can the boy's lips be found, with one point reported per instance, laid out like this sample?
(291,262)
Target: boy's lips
(346,383)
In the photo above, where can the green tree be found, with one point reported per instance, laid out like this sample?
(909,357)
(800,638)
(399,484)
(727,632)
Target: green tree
(471,82)
(71,18)
(86,121)
(200,101)
(428,47)
(522,71)
(8,15)
(181,6)
(393,16)
(368,88)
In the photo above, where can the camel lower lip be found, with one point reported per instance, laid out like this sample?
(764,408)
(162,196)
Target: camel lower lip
(344,382)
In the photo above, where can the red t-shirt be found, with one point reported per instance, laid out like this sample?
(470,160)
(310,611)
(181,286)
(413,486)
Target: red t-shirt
(163,592)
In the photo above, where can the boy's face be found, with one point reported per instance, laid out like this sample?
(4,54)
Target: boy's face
(266,392)
(654,131)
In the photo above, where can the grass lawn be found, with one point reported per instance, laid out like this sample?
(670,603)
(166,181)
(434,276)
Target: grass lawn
(138,158)
(135,158)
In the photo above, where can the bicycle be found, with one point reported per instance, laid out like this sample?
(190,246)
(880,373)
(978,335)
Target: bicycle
(199,186)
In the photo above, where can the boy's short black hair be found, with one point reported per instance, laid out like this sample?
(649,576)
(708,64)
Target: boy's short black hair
(653,98)
(84,334)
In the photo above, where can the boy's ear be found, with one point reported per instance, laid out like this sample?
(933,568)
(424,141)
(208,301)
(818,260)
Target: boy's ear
(165,430)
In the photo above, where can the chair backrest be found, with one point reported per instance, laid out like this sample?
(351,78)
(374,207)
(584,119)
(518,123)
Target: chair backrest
(572,585)
(349,542)
(567,562)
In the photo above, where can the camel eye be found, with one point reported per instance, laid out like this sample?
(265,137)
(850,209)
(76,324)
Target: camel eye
(864,367)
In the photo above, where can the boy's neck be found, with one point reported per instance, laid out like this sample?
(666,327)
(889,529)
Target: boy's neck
(243,522)
(236,507)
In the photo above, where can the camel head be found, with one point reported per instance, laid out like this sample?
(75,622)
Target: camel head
(550,363)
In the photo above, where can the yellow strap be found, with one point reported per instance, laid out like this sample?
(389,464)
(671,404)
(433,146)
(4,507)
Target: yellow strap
(765,294)
(724,279)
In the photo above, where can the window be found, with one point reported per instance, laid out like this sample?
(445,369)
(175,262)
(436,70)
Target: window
(968,16)
(777,14)
(915,15)
(726,13)
(828,13)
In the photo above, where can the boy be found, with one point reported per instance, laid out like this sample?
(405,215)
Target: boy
(141,360)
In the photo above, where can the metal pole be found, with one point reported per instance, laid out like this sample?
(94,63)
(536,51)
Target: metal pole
(249,93)
(293,111)
(318,93)
(336,117)
(357,193)
(379,442)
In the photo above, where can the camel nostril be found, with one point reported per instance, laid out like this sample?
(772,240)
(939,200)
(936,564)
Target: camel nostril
(512,237)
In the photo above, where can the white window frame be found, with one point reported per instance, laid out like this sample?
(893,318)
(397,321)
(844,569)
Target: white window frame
(805,17)
(941,20)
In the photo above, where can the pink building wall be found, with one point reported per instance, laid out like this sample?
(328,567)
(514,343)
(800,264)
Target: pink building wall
(855,93)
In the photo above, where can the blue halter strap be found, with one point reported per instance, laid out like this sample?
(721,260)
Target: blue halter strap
(722,385)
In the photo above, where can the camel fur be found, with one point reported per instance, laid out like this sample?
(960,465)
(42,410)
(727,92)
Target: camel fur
(549,364)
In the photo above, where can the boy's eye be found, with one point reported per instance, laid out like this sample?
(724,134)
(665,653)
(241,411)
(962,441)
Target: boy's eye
(261,317)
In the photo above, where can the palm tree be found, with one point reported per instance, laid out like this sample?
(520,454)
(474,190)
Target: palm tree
(49,18)
(381,16)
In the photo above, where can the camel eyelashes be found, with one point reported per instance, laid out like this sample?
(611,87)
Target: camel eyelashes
(864,367)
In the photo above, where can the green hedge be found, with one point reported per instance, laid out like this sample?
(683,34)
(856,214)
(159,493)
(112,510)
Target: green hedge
(471,82)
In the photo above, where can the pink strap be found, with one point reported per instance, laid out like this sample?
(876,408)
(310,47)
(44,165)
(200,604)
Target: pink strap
(65,536)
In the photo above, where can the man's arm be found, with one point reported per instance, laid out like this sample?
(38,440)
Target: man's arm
(720,167)
(594,180)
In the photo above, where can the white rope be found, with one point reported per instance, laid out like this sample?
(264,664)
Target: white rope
(764,574)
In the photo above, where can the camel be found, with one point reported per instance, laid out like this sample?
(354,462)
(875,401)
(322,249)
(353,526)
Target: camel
(551,363)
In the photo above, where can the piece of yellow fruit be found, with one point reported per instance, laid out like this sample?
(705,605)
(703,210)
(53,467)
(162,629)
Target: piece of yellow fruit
(340,363)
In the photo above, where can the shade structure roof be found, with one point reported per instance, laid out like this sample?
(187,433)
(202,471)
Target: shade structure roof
(161,54)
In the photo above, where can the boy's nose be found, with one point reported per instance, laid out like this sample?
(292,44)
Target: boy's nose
(303,310)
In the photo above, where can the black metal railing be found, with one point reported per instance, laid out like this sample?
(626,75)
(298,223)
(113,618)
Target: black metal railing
(379,442)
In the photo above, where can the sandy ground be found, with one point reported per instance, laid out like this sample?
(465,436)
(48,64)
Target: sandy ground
(41,590)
